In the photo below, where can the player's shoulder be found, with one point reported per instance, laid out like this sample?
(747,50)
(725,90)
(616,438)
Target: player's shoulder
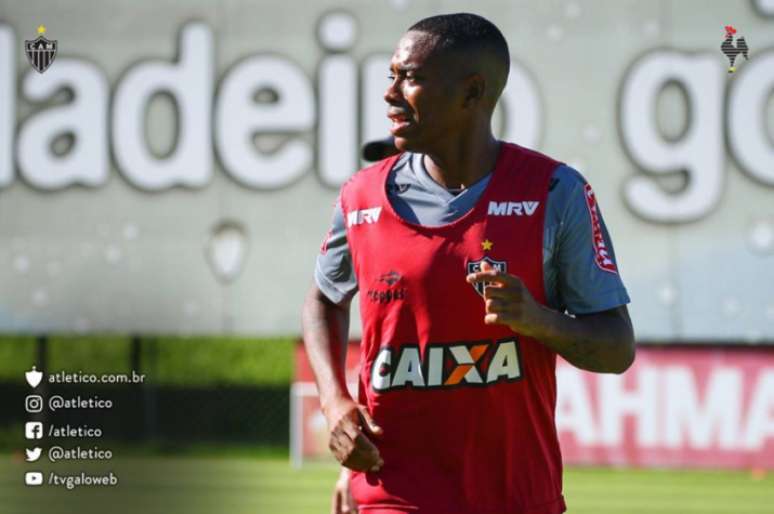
(567,188)
(519,159)
(529,154)
(365,177)
(566,179)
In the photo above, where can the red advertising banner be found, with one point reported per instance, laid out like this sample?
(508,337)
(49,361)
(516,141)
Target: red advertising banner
(696,407)
(710,407)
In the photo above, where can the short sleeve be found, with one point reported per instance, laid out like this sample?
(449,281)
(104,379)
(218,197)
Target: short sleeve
(588,279)
(333,272)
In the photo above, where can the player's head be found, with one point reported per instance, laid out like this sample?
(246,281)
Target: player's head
(447,73)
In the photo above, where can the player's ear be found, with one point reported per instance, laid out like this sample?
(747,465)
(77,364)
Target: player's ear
(475,89)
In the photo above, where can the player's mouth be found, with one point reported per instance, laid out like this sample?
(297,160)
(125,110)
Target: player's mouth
(401,122)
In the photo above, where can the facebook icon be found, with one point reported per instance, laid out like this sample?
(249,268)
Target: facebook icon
(33,430)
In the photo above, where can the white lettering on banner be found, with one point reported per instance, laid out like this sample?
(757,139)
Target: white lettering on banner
(7,102)
(715,419)
(83,119)
(375,124)
(699,152)
(337,143)
(190,82)
(238,118)
(242,118)
(574,409)
(241,115)
(669,408)
(749,96)
(760,422)
(619,401)
(363,216)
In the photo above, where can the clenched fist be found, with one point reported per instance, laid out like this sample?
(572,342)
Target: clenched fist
(350,428)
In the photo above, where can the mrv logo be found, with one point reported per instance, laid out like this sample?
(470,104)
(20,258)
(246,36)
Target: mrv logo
(363,216)
(448,365)
(512,208)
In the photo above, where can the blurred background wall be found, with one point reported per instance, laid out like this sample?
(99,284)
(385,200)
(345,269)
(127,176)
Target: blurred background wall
(174,170)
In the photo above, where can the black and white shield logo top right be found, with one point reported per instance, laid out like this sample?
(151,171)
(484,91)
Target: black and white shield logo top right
(475,266)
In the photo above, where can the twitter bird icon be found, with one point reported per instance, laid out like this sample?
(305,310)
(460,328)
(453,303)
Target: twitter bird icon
(34,454)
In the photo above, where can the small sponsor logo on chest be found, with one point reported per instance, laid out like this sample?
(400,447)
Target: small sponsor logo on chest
(363,216)
(512,208)
(382,290)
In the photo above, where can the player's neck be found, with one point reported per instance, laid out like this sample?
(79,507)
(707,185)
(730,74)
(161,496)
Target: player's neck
(459,166)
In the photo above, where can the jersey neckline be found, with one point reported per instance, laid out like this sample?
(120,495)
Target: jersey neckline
(508,154)
(416,163)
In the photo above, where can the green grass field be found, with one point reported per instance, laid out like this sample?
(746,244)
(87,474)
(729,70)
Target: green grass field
(185,485)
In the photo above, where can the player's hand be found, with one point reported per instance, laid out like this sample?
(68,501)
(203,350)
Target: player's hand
(343,503)
(350,427)
(508,301)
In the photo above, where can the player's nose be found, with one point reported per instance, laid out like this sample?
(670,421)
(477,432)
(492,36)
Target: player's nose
(393,95)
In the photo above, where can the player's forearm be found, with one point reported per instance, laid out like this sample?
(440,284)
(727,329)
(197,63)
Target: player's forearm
(325,330)
(601,342)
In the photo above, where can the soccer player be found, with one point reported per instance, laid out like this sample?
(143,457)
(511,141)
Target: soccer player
(468,253)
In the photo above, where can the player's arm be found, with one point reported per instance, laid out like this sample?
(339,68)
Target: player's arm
(325,323)
(615,347)
(325,328)
(600,337)
(601,342)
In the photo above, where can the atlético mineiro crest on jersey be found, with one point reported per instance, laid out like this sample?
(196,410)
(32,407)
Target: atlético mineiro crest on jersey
(475,267)
(40,51)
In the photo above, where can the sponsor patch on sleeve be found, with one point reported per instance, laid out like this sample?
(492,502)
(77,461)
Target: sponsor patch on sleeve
(324,245)
(601,253)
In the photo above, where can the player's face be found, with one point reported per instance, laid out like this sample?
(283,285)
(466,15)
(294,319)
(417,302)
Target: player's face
(424,96)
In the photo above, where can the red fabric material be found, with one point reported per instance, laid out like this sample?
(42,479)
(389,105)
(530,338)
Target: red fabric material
(472,448)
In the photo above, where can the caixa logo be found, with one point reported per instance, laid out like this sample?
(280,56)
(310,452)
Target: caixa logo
(446,365)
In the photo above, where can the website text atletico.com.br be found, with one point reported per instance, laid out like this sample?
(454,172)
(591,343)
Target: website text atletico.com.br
(63,377)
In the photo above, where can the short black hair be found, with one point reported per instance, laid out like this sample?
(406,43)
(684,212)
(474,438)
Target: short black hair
(463,32)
